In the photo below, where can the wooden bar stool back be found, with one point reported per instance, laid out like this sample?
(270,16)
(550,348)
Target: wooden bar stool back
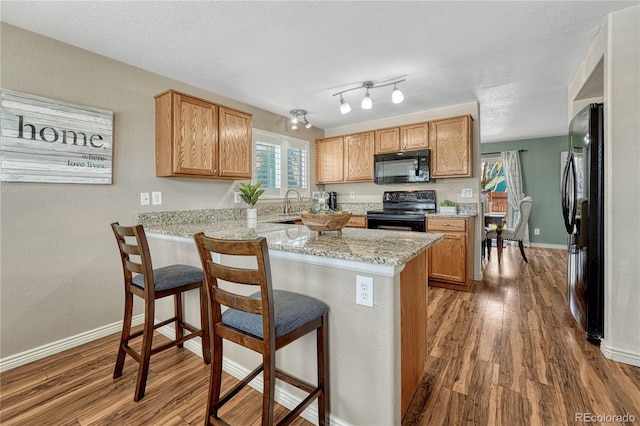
(264,322)
(151,284)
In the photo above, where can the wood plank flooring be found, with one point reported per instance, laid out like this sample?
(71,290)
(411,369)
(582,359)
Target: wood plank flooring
(509,353)
(76,387)
(506,353)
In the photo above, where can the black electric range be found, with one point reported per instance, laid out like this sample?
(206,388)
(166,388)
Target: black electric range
(403,210)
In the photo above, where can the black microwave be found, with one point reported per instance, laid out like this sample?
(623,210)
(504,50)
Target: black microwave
(402,167)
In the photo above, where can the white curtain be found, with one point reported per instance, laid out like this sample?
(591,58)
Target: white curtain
(515,193)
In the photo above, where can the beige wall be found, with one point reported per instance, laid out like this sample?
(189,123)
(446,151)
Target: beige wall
(59,266)
(618,44)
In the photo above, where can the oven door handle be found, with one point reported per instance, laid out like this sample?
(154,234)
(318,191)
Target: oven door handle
(394,228)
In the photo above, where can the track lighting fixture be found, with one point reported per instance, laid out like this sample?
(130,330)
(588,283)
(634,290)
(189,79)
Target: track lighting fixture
(295,113)
(396,95)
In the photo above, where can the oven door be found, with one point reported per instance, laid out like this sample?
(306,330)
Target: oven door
(396,222)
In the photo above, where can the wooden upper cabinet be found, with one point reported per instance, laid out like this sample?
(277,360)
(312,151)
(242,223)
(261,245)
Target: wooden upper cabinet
(387,140)
(415,136)
(235,144)
(358,157)
(451,144)
(330,160)
(197,138)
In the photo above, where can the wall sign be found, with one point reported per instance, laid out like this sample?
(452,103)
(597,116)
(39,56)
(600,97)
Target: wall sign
(45,140)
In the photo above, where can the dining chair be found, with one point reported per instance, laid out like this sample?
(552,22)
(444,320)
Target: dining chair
(264,322)
(152,284)
(516,233)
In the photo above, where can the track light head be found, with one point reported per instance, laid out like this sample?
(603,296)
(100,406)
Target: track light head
(396,96)
(344,105)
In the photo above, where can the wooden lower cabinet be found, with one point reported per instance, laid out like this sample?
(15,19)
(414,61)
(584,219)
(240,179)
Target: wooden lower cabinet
(357,222)
(451,260)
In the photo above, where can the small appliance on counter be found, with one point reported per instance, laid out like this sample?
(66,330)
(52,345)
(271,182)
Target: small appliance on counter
(333,200)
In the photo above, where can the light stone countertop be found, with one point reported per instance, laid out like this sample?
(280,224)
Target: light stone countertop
(364,245)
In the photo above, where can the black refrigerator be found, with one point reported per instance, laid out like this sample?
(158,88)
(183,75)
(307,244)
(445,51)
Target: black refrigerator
(583,211)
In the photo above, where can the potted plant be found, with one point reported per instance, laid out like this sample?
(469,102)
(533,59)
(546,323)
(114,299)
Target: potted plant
(250,195)
(448,207)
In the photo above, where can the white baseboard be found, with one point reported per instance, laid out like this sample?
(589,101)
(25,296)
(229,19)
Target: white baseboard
(619,355)
(53,348)
(549,246)
(283,397)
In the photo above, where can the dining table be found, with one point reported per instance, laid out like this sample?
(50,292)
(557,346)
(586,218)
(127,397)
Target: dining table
(498,219)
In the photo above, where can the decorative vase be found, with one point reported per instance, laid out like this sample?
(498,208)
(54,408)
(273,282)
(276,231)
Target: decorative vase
(252,218)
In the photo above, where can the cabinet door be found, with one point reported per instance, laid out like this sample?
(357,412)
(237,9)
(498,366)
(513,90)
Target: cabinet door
(447,259)
(329,160)
(235,144)
(357,222)
(358,157)
(415,136)
(195,136)
(450,142)
(387,140)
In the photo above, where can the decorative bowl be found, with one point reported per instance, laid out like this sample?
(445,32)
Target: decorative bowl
(326,222)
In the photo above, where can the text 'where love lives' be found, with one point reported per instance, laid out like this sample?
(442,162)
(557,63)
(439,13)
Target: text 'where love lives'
(47,140)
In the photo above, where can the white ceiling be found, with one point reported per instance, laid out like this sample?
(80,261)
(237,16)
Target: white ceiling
(516,58)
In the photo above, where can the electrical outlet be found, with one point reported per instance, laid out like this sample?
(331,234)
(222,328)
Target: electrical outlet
(215,257)
(364,291)
(156,198)
(352,195)
(536,231)
(467,193)
(144,199)
(236,198)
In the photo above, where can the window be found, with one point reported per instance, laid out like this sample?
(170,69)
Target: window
(281,163)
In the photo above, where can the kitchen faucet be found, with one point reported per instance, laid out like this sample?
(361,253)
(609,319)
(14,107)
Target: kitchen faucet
(287,203)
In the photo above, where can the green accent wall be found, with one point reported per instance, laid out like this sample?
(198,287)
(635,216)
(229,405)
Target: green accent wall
(540,165)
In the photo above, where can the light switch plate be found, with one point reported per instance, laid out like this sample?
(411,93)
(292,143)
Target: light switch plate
(144,199)
(467,193)
(156,198)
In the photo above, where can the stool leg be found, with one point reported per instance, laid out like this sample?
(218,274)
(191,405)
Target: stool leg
(204,325)
(215,380)
(322,347)
(145,352)
(269,389)
(124,337)
(177,305)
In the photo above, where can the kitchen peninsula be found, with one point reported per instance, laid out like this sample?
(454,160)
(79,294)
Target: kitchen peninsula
(376,354)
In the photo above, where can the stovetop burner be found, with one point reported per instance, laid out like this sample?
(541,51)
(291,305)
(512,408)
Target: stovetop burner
(406,203)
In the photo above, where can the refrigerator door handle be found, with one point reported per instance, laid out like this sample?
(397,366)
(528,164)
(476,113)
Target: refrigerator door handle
(569,200)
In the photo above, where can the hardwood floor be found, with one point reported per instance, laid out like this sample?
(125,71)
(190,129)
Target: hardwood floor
(509,353)
(506,353)
(76,387)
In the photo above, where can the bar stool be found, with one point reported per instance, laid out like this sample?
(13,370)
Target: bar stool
(264,322)
(152,284)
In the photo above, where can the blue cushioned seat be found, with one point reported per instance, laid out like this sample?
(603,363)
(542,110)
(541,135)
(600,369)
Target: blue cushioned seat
(173,276)
(291,310)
